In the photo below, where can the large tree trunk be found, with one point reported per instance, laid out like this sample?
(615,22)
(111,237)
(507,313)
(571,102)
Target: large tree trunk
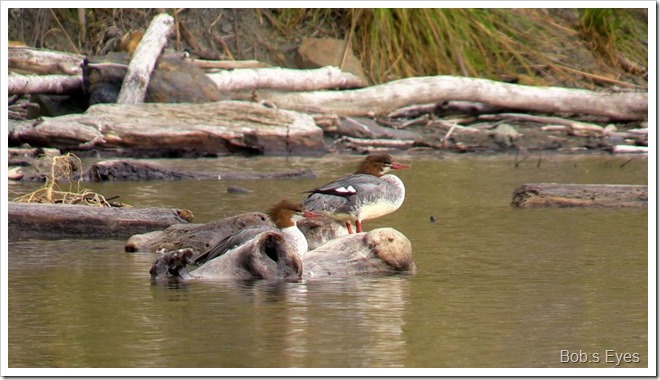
(534,195)
(178,129)
(61,220)
(384,98)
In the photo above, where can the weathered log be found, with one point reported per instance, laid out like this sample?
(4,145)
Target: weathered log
(196,236)
(383,250)
(228,65)
(267,256)
(135,84)
(42,61)
(628,149)
(133,170)
(60,220)
(152,129)
(534,195)
(277,78)
(43,84)
(384,98)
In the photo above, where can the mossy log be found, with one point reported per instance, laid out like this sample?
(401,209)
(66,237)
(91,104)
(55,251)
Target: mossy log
(535,195)
(62,220)
(178,130)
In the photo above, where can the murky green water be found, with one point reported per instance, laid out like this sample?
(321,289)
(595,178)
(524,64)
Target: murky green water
(497,286)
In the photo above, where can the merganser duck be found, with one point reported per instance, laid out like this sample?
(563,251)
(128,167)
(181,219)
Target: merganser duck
(367,194)
(284,215)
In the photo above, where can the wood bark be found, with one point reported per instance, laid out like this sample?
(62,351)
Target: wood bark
(535,195)
(197,236)
(42,61)
(135,83)
(277,78)
(43,84)
(384,98)
(228,65)
(218,128)
(61,220)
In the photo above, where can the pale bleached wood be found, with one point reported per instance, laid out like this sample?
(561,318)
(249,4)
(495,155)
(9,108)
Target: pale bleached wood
(43,61)
(285,79)
(43,84)
(384,98)
(628,149)
(228,65)
(223,127)
(134,87)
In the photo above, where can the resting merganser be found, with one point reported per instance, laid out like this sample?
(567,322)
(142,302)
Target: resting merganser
(367,194)
(284,214)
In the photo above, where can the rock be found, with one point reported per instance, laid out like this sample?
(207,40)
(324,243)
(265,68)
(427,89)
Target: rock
(173,80)
(320,52)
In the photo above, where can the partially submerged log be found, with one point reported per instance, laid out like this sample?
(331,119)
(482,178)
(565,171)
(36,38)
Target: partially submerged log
(61,220)
(384,98)
(133,170)
(270,256)
(380,251)
(219,128)
(199,237)
(534,195)
(267,256)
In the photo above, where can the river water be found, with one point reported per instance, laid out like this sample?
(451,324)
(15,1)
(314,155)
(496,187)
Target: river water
(496,287)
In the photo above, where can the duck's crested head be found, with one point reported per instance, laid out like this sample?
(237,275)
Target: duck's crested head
(286,213)
(378,165)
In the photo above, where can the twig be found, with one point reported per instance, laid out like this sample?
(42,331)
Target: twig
(75,49)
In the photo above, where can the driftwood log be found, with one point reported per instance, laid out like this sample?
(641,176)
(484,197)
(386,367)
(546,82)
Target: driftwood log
(383,250)
(133,170)
(61,220)
(277,78)
(41,61)
(269,256)
(43,84)
(535,195)
(384,98)
(218,128)
(196,236)
(135,84)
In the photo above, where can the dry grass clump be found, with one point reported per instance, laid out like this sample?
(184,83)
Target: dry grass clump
(60,170)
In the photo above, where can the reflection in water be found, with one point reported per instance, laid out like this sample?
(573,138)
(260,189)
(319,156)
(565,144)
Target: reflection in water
(354,322)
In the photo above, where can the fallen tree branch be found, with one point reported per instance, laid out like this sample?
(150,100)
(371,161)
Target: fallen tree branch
(43,84)
(134,87)
(285,79)
(384,98)
(228,65)
(576,128)
(41,61)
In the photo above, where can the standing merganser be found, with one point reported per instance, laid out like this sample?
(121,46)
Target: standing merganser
(367,194)
(284,215)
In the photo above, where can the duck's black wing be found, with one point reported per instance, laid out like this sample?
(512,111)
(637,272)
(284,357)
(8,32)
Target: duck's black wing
(231,241)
